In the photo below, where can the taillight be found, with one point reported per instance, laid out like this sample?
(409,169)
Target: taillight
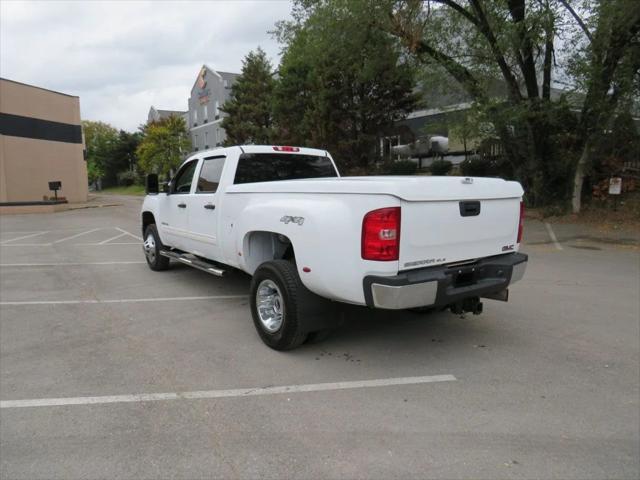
(381,234)
(286,149)
(521,222)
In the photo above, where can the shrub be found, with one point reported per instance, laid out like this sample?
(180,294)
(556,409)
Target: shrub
(440,167)
(478,167)
(403,167)
(127,178)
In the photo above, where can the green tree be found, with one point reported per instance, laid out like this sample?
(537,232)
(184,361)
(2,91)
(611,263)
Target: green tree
(343,81)
(123,157)
(100,139)
(164,145)
(497,52)
(249,108)
(607,71)
(483,43)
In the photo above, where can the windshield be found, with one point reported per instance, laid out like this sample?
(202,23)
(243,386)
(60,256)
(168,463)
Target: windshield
(271,167)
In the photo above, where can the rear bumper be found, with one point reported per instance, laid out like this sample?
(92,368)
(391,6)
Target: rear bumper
(442,286)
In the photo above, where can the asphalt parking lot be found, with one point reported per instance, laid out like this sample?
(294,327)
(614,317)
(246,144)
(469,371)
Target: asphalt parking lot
(110,370)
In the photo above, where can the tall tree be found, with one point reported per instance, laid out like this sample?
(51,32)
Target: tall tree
(122,157)
(164,145)
(100,139)
(607,70)
(482,44)
(477,42)
(343,81)
(249,108)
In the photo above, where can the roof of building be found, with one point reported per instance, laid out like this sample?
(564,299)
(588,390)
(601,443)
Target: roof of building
(168,113)
(161,114)
(39,88)
(229,73)
(214,72)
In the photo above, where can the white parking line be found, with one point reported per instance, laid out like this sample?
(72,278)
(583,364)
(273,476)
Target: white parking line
(74,244)
(36,231)
(77,235)
(26,244)
(23,237)
(552,235)
(124,300)
(107,244)
(112,238)
(66,264)
(240,392)
(128,233)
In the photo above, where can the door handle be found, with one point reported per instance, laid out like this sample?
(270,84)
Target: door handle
(182,205)
(210,206)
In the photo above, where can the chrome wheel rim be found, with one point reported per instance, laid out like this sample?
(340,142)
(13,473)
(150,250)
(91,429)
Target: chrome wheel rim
(270,306)
(149,246)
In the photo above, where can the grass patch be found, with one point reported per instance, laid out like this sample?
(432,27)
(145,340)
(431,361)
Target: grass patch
(130,190)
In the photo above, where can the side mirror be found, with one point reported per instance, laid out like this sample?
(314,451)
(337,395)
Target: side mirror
(152,184)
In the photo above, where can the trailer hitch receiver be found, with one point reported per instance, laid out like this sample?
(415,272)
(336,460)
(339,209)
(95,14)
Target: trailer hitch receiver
(472,304)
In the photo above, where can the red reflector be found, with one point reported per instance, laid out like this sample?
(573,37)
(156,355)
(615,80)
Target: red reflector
(521,222)
(286,149)
(381,235)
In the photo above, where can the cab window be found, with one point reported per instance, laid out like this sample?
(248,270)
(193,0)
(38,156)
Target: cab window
(271,167)
(182,181)
(210,174)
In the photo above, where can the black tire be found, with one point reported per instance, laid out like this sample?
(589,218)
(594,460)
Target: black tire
(151,247)
(319,336)
(289,331)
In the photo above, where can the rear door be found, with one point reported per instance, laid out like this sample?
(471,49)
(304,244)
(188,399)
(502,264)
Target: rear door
(204,208)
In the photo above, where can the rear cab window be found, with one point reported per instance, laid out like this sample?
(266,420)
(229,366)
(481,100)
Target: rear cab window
(272,167)
(210,174)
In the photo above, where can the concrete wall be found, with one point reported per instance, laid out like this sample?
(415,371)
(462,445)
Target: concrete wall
(28,163)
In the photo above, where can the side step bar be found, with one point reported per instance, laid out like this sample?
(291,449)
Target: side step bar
(194,262)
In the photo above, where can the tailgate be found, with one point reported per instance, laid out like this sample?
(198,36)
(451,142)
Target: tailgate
(440,232)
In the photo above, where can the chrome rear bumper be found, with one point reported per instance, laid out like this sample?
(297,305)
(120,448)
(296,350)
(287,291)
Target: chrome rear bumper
(444,285)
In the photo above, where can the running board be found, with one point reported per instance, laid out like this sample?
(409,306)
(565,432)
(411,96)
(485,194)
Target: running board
(194,262)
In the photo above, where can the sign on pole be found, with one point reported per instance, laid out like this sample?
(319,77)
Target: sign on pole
(615,186)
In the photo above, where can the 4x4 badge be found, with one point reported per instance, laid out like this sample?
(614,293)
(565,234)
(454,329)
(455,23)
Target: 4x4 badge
(289,219)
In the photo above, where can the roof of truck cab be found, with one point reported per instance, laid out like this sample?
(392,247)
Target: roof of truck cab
(218,151)
(270,149)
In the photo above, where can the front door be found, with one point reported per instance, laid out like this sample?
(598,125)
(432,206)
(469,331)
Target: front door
(174,227)
(204,209)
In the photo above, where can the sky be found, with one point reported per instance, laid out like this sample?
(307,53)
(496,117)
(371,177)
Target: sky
(121,57)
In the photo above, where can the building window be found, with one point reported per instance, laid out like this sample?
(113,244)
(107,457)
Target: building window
(205,116)
(206,139)
(195,116)
(226,83)
(195,142)
(217,110)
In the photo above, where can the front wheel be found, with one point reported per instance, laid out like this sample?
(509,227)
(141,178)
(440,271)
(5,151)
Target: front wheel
(276,291)
(152,246)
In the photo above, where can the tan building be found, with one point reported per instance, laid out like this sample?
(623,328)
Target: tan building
(40,142)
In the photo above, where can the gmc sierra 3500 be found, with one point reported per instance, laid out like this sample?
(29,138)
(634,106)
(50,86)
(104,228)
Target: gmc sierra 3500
(286,217)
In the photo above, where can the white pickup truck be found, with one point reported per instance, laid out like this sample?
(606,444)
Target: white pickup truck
(306,235)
